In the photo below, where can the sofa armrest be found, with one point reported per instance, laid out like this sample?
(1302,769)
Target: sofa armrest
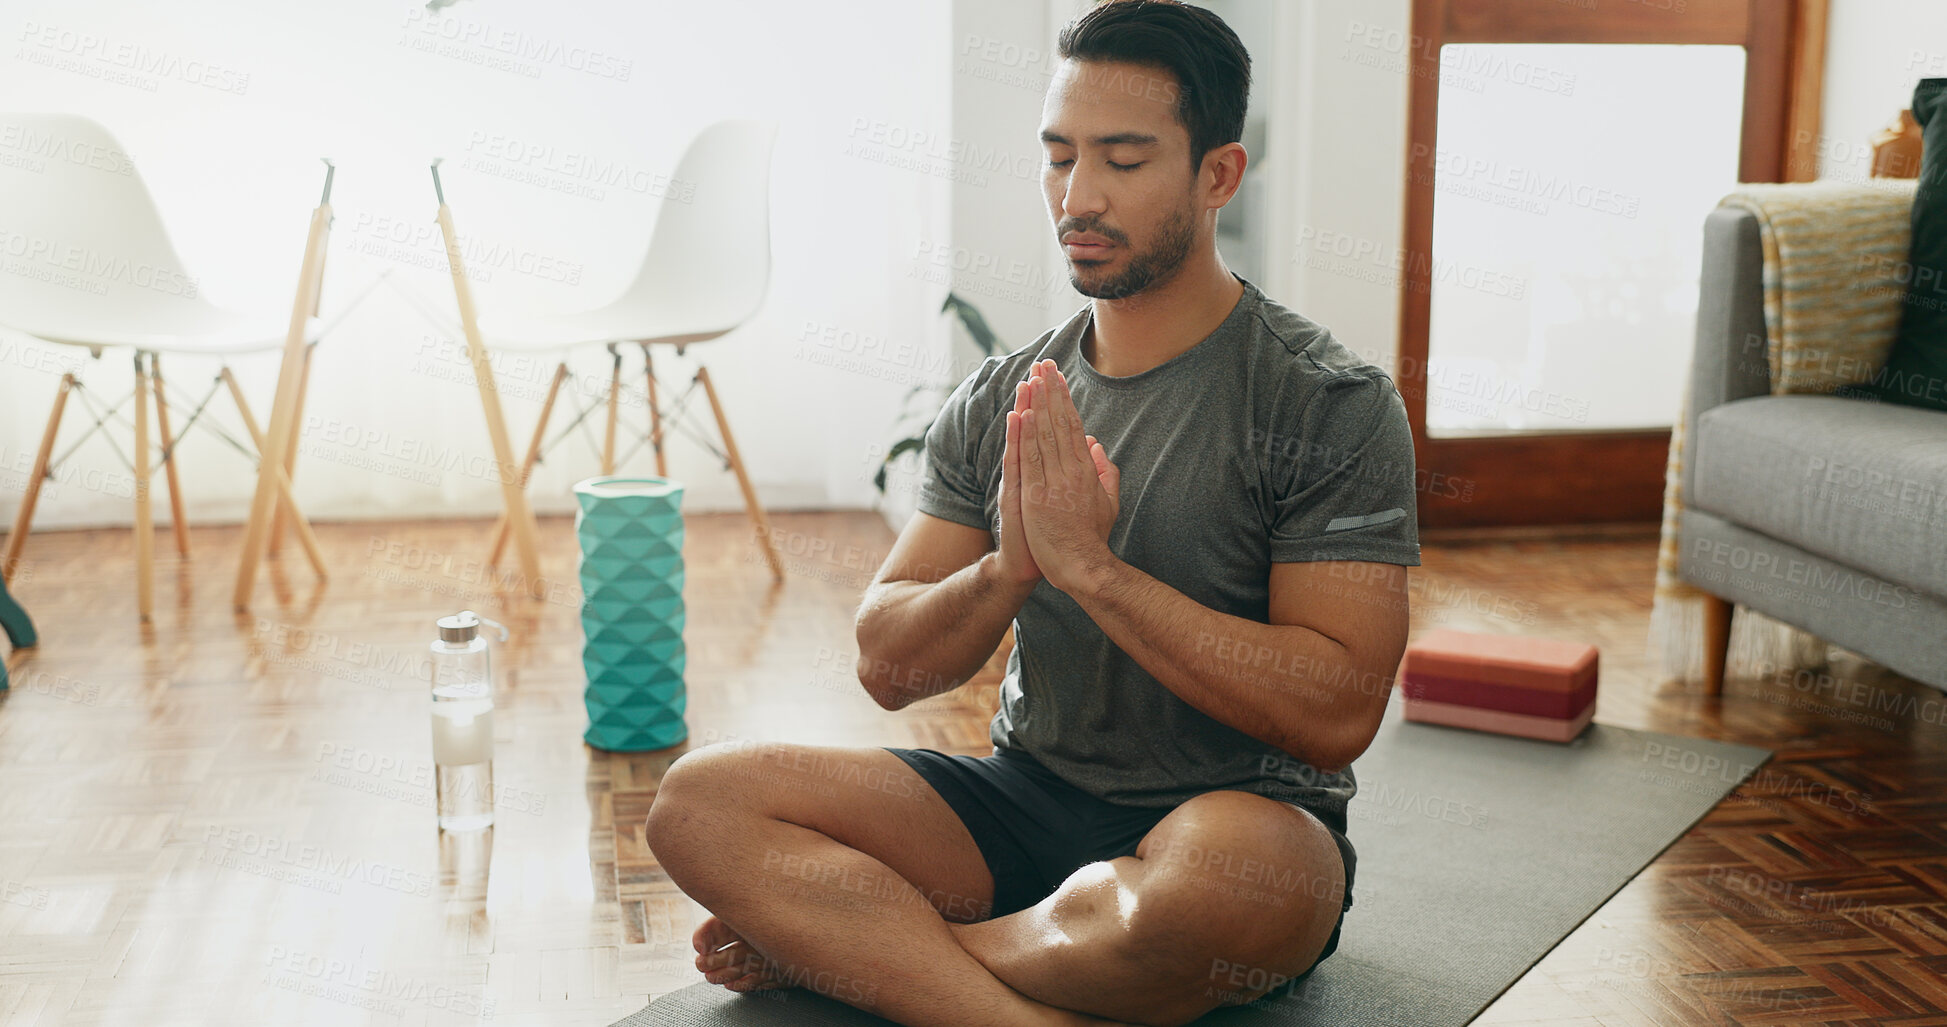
(1729,361)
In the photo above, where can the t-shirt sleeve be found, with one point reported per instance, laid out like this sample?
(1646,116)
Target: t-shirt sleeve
(954,486)
(1348,492)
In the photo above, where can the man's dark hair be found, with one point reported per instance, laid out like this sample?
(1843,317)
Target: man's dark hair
(1212,68)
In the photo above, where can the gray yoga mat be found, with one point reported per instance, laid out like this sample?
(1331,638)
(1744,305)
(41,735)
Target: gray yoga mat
(1477,854)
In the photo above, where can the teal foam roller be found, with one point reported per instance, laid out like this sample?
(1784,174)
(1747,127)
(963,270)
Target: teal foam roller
(631,535)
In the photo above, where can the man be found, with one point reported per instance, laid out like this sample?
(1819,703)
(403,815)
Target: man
(1207,590)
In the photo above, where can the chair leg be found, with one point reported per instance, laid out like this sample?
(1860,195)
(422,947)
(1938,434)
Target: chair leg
(1717,642)
(758,521)
(144,527)
(299,526)
(655,414)
(614,394)
(280,511)
(533,457)
(177,522)
(25,516)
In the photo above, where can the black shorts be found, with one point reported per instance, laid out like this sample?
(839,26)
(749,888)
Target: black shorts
(1034,829)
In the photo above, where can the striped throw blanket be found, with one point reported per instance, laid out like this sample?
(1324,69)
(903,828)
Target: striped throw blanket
(1834,253)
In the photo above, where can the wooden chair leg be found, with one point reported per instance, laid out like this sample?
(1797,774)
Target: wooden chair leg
(282,426)
(655,414)
(614,395)
(1717,642)
(758,521)
(177,522)
(520,514)
(280,512)
(24,517)
(299,525)
(144,527)
(533,456)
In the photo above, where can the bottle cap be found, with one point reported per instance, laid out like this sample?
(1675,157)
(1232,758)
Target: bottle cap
(459,628)
(463,626)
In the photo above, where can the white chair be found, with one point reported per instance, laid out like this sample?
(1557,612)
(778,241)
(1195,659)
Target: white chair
(705,272)
(91,266)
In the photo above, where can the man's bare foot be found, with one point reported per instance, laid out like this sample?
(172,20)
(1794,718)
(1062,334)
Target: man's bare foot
(727,959)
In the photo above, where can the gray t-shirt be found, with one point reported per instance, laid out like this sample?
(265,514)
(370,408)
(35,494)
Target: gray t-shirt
(1268,441)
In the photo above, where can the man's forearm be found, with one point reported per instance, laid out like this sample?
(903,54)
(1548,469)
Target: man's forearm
(918,639)
(1283,684)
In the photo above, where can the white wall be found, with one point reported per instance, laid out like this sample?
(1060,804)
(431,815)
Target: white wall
(810,384)
(1876,50)
(1342,162)
(1000,254)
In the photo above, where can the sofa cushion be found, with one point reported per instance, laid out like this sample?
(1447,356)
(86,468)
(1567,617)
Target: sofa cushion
(1860,482)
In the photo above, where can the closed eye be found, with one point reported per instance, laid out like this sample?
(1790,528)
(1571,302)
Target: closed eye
(1113,164)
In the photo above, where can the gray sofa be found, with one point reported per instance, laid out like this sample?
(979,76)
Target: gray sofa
(1829,514)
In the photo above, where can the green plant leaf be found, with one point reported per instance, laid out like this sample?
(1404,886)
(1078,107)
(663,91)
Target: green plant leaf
(989,343)
(898,448)
(975,322)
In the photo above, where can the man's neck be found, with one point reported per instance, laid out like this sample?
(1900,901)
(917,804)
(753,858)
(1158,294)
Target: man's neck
(1133,334)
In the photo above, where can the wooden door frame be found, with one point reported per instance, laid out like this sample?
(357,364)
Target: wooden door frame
(1582,477)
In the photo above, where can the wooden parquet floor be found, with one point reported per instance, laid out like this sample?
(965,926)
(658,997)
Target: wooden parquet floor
(224,818)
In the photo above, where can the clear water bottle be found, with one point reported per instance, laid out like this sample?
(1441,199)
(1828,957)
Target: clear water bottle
(463,724)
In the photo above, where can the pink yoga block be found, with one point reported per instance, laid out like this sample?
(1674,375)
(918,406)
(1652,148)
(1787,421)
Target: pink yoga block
(1509,684)
(1547,729)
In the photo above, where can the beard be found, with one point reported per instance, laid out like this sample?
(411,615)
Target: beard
(1159,263)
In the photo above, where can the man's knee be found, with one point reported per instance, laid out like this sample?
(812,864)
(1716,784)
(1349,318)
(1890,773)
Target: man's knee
(1236,886)
(699,792)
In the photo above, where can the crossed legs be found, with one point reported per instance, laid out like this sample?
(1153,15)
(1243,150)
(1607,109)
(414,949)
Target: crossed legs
(842,871)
